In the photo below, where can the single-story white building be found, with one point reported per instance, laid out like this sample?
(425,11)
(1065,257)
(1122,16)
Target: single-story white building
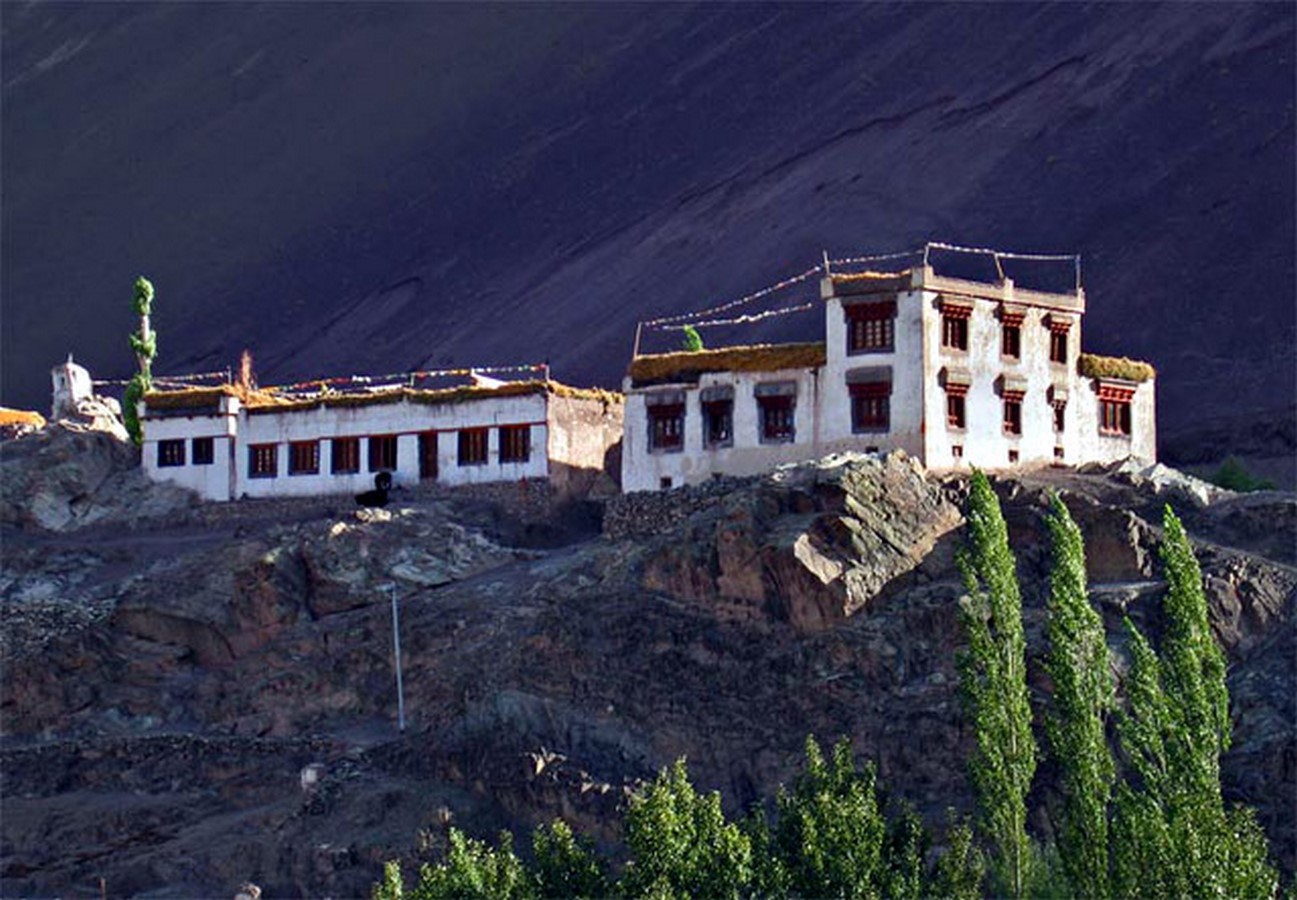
(226,442)
(955,372)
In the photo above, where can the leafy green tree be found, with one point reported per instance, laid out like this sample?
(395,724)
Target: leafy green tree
(1172,836)
(680,844)
(472,871)
(830,834)
(566,866)
(904,853)
(1078,666)
(960,869)
(691,341)
(993,683)
(145,345)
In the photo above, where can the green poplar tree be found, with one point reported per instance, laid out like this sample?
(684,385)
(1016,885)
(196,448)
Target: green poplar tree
(1078,666)
(690,341)
(145,344)
(993,683)
(680,844)
(472,871)
(1172,834)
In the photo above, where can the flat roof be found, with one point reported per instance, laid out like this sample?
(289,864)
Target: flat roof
(687,366)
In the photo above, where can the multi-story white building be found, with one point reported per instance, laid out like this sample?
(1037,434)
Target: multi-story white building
(954,372)
(226,443)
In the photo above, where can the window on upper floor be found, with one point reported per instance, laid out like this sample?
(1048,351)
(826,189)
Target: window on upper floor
(382,453)
(263,460)
(871,326)
(204,451)
(954,332)
(345,456)
(1058,347)
(304,458)
(473,446)
(1060,416)
(1011,341)
(171,453)
(515,443)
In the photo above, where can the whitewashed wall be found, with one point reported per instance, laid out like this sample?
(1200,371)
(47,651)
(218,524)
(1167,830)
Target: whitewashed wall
(404,419)
(905,360)
(1096,447)
(643,469)
(984,441)
(212,482)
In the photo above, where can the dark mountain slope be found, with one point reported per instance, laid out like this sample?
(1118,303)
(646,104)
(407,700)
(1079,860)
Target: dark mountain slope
(376,187)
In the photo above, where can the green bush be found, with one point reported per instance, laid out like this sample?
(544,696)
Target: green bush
(1234,476)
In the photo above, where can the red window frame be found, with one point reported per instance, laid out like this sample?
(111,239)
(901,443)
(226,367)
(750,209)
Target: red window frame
(263,460)
(1058,346)
(956,412)
(382,453)
(345,456)
(1013,415)
(778,414)
(203,451)
(515,443)
(474,446)
(666,423)
(304,458)
(871,404)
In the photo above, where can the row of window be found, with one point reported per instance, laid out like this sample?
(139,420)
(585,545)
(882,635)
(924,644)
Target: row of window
(381,452)
(870,413)
(871,328)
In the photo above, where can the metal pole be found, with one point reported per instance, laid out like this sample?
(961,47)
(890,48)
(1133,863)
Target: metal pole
(396,657)
(638,327)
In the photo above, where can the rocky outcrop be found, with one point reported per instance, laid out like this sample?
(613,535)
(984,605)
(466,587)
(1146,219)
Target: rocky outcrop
(810,546)
(71,475)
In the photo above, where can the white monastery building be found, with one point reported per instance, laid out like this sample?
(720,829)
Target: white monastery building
(954,372)
(226,442)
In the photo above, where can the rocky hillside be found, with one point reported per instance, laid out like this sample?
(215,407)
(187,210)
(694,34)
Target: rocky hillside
(204,696)
(379,187)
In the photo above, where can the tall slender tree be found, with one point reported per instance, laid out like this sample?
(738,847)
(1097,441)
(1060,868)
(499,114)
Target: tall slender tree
(993,682)
(1078,666)
(145,344)
(1173,836)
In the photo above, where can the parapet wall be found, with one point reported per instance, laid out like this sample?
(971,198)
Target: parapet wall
(645,513)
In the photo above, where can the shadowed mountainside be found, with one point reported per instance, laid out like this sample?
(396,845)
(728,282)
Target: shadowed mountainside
(377,187)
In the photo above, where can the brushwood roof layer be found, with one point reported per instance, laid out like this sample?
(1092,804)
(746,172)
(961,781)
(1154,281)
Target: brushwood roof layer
(659,368)
(1092,365)
(269,400)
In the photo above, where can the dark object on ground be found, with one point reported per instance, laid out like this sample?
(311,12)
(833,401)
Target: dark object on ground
(378,496)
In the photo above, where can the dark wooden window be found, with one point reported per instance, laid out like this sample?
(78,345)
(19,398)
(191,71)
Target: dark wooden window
(171,453)
(957,451)
(954,332)
(666,426)
(955,417)
(304,458)
(778,421)
(1058,454)
(382,453)
(665,482)
(1013,456)
(428,455)
(871,406)
(1011,341)
(1114,417)
(473,446)
(1058,346)
(263,460)
(204,451)
(1012,416)
(515,443)
(1060,417)
(870,327)
(718,423)
(346,456)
